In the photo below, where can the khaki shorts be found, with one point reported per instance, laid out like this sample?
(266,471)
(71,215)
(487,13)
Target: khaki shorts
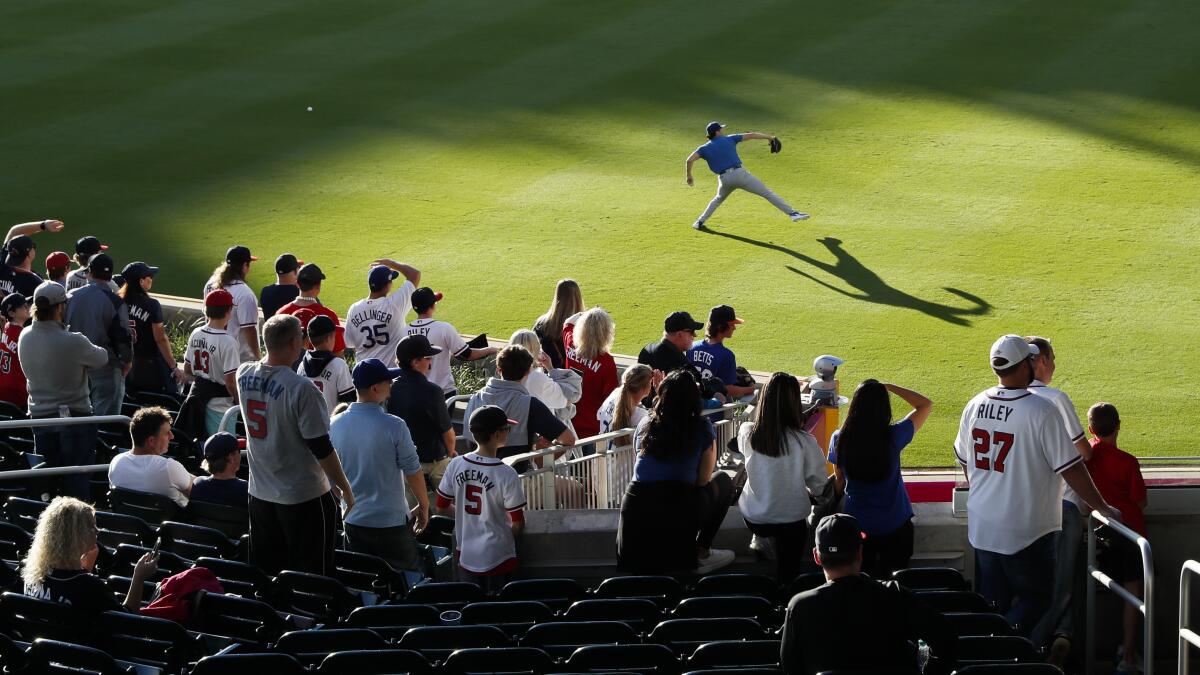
(435,470)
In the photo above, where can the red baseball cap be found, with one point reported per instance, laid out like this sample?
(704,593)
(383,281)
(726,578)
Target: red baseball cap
(304,315)
(218,298)
(57,259)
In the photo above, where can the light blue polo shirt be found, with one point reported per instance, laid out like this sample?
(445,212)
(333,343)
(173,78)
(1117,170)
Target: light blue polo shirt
(721,153)
(376,452)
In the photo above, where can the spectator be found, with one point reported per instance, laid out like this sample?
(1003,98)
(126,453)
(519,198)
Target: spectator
(85,248)
(154,366)
(222,459)
(588,345)
(103,317)
(60,562)
(442,334)
(243,324)
(56,362)
(668,354)
(284,290)
(13,388)
(568,301)
(781,460)
(677,500)
(508,392)
(1118,477)
(144,468)
(1014,507)
(866,452)
(310,277)
(292,462)
(623,407)
(16,274)
(558,388)
(58,264)
(421,405)
(328,372)
(712,358)
(379,458)
(211,361)
(488,503)
(376,323)
(855,623)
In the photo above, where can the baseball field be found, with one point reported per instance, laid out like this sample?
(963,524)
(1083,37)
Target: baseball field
(972,168)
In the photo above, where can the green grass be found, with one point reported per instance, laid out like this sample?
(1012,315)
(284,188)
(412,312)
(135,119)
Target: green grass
(1040,158)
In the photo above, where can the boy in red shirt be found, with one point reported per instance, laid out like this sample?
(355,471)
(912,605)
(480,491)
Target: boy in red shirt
(1118,477)
(15,309)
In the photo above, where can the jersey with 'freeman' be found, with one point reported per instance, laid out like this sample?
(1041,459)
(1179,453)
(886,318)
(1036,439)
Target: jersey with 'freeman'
(440,334)
(487,497)
(375,325)
(243,315)
(144,312)
(1062,402)
(721,153)
(1013,445)
(212,354)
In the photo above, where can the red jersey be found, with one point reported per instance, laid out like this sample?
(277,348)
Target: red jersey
(1118,476)
(13,387)
(599,379)
(339,340)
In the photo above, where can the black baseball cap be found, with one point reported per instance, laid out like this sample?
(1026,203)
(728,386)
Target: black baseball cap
(13,301)
(287,263)
(319,326)
(380,276)
(723,314)
(100,264)
(20,246)
(239,255)
(713,127)
(424,297)
(489,419)
(681,321)
(310,274)
(415,347)
(89,246)
(222,443)
(839,538)
(137,270)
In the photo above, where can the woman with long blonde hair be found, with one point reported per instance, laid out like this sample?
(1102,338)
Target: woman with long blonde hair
(59,564)
(568,301)
(623,408)
(589,341)
(558,388)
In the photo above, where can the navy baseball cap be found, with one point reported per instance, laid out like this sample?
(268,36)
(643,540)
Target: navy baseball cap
(138,270)
(839,538)
(415,347)
(370,372)
(310,274)
(425,297)
(239,255)
(287,263)
(380,276)
(723,314)
(89,246)
(681,321)
(20,246)
(489,419)
(101,264)
(319,326)
(13,301)
(713,127)
(222,443)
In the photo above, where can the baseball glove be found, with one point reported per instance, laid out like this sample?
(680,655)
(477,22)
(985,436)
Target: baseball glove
(776,145)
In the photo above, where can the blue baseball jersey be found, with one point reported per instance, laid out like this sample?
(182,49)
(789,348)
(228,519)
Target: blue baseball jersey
(714,359)
(721,153)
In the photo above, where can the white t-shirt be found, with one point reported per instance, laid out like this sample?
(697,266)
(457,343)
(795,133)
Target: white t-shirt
(775,486)
(333,382)
(1070,420)
(540,386)
(150,473)
(245,313)
(1014,446)
(375,325)
(212,355)
(486,494)
(608,410)
(440,334)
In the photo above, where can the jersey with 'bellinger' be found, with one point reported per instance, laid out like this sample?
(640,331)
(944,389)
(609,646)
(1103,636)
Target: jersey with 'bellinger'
(375,325)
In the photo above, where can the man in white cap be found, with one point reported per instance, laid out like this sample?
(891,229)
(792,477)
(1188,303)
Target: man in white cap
(1013,447)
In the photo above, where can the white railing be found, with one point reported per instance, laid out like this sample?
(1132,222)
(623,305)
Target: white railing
(1186,635)
(1144,604)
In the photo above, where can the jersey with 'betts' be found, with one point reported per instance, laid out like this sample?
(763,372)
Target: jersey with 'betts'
(487,496)
(721,153)
(244,314)
(212,354)
(282,410)
(1013,445)
(375,325)
(440,334)
(714,359)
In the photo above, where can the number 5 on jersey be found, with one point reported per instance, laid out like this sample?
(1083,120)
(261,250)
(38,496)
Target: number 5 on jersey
(474,500)
(256,418)
(983,442)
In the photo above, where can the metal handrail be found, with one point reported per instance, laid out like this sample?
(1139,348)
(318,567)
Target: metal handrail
(1186,635)
(58,422)
(233,411)
(1143,605)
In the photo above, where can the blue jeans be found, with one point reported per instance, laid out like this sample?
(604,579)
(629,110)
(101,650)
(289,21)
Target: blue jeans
(1021,583)
(68,446)
(107,388)
(1060,618)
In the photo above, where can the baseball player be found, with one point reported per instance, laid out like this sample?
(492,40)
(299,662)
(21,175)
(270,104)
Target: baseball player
(1013,447)
(376,323)
(212,359)
(720,152)
(488,503)
(292,463)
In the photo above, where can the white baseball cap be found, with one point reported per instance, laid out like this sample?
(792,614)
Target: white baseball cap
(1010,350)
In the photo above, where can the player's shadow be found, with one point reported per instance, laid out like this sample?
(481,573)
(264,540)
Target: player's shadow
(870,287)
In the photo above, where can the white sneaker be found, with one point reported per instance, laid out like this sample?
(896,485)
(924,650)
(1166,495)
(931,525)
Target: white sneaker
(698,225)
(796,215)
(763,546)
(715,560)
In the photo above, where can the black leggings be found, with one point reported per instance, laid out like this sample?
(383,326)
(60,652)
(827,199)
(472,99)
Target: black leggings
(789,539)
(886,553)
(293,536)
(713,502)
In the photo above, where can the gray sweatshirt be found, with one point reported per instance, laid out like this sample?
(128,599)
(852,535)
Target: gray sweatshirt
(103,318)
(55,362)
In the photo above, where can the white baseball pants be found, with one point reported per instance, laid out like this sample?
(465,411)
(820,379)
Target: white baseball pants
(740,178)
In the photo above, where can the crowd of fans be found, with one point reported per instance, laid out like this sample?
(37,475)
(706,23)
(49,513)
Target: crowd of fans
(366,445)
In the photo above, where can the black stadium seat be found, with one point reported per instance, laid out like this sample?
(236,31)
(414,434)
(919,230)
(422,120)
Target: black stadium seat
(323,598)
(127,556)
(240,578)
(639,613)
(737,584)
(931,579)
(561,638)
(393,621)
(148,640)
(26,619)
(806,582)
(248,664)
(119,585)
(739,671)
(978,623)
(150,507)
(12,655)
(311,646)
(373,574)
(716,607)
(117,528)
(231,521)
(557,594)
(239,618)
(1009,669)
(507,660)
(995,649)
(445,594)
(664,591)
(513,617)
(955,601)
(14,541)
(23,512)
(873,671)
(194,541)
(54,656)
(374,662)
(644,658)
(684,635)
(437,642)
(735,654)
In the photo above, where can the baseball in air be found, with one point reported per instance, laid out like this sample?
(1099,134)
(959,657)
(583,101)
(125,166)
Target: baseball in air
(310,108)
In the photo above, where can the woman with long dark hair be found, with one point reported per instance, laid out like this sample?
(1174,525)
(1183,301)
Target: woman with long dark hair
(677,499)
(154,367)
(866,452)
(784,464)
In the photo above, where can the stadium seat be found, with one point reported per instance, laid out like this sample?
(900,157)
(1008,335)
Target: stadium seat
(662,590)
(1009,669)
(737,584)
(995,649)
(150,507)
(507,660)
(323,598)
(23,512)
(194,541)
(445,594)
(369,573)
(242,619)
(119,585)
(248,664)
(127,556)
(716,607)
(639,613)
(231,521)
(437,642)
(513,616)
(557,594)
(393,621)
(931,579)
(55,656)
(148,640)
(310,647)
(12,411)
(644,658)
(26,619)
(12,655)
(14,541)
(684,635)
(148,399)
(978,623)
(805,582)
(117,528)
(240,578)
(10,579)
(873,671)
(374,662)
(955,601)
(735,654)
(561,638)
(740,671)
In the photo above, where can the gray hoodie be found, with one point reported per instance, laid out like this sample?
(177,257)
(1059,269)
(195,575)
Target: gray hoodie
(55,361)
(512,397)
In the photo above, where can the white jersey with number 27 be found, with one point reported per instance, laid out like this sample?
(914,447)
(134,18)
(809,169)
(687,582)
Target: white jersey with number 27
(485,491)
(1013,445)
